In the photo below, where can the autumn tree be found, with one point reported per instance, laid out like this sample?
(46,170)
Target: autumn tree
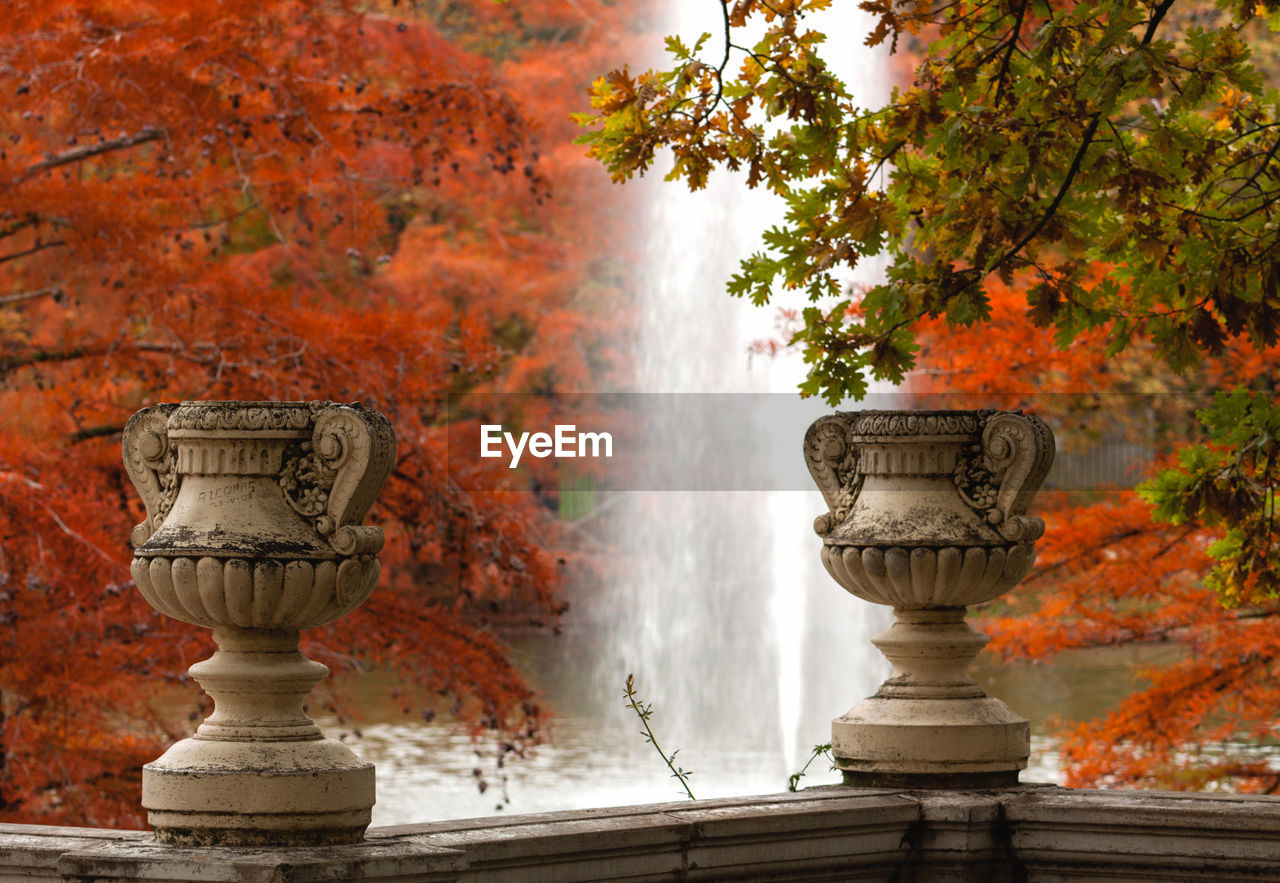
(1072,198)
(277,200)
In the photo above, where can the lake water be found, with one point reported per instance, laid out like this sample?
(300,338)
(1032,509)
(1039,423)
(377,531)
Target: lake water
(597,757)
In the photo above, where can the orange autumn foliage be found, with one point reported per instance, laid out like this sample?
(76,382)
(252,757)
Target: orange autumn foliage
(279,200)
(1106,574)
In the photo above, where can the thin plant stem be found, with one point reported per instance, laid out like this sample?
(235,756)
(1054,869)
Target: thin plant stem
(643,711)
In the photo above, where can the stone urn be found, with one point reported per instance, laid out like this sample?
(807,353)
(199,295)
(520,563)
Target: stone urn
(253,530)
(927,514)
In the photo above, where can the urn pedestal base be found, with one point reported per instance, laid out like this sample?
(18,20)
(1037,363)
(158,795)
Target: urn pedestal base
(930,743)
(930,725)
(207,793)
(258,771)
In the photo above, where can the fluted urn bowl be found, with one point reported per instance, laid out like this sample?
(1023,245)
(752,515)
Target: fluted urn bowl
(948,577)
(271,594)
(927,508)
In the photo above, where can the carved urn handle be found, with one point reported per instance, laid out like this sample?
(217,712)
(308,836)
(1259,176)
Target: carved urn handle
(1000,476)
(832,459)
(152,466)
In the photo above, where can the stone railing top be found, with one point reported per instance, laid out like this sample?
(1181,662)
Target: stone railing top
(1028,832)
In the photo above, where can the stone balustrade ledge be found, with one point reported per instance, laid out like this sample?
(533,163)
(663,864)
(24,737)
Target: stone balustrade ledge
(1027,832)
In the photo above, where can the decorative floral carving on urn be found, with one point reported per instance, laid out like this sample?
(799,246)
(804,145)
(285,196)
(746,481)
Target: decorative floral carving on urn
(253,529)
(928,514)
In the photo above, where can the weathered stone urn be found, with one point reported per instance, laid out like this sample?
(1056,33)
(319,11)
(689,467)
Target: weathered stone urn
(928,515)
(253,529)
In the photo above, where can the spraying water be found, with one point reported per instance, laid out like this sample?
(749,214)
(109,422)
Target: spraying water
(723,611)
(717,600)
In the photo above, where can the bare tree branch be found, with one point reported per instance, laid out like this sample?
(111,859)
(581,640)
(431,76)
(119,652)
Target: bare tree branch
(51,291)
(27,252)
(18,226)
(65,354)
(77,154)
(81,435)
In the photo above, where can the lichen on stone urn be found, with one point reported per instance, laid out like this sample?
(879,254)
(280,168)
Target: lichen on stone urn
(927,513)
(254,529)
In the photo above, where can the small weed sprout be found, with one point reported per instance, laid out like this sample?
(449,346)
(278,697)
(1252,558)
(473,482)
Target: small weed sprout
(823,750)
